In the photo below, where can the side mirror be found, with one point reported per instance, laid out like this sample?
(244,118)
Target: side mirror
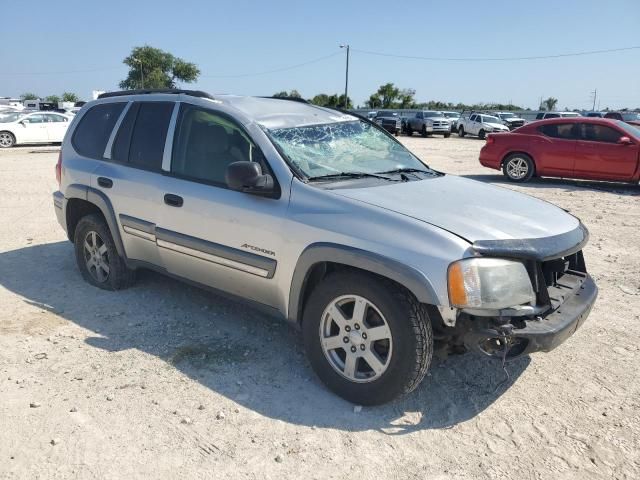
(248,177)
(625,141)
(23,123)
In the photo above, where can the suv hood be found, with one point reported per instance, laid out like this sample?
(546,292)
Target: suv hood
(468,209)
(497,126)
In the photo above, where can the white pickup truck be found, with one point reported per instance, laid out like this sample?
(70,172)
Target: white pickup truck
(479,124)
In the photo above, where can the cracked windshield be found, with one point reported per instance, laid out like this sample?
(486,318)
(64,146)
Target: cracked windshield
(338,148)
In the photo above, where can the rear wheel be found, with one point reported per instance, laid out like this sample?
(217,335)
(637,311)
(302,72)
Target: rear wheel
(461,131)
(97,256)
(7,140)
(518,167)
(368,340)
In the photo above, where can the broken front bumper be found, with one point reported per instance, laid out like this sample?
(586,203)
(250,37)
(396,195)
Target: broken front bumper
(520,336)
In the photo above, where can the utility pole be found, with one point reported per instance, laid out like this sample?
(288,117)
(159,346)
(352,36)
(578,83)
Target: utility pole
(141,71)
(595,95)
(346,78)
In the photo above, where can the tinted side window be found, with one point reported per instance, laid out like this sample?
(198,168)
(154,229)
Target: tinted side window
(552,115)
(540,116)
(120,148)
(206,143)
(559,130)
(149,134)
(599,133)
(92,133)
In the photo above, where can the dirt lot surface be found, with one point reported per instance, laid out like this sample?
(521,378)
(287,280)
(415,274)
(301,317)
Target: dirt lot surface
(167,381)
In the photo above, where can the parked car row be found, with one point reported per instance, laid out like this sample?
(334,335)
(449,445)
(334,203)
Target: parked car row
(584,147)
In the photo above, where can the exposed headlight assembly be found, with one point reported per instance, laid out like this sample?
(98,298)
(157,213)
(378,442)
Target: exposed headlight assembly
(489,283)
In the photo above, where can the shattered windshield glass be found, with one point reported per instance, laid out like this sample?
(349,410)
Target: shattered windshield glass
(343,147)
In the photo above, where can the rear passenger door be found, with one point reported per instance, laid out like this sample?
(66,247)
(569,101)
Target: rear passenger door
(132,175)
(555,150)
(56,126)
(208,233)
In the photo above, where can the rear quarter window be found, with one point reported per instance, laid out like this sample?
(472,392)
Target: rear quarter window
(92,133)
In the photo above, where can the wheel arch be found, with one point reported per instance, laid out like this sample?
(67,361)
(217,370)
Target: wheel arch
(321,258)
(83,200)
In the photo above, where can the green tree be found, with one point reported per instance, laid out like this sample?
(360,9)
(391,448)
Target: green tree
(29,96)
(52,98)
(550,103)
(406,99)
(284,94)
(153,68)
(388,94)
(374,101)
(70,97)
(331,101)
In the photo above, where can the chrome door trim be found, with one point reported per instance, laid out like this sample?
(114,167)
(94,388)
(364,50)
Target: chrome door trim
(114,132)
(168,142)
(220,254)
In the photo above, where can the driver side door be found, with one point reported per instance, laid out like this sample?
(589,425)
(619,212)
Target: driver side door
(33,129)
(208,233)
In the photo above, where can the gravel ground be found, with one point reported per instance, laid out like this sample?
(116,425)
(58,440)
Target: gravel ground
(168,381)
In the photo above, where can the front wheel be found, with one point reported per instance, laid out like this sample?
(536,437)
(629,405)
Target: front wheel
(481,134)
(447,135)
(368,340)
(424,131)
(518,167)
(7,140)
(409,131)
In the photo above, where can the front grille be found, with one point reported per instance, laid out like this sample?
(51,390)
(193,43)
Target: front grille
(554,279)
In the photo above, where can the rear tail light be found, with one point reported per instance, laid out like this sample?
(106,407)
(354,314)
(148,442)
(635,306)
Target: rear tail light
(59,169)
(491,139)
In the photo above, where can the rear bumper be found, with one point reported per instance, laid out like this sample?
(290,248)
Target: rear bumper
(489,161)
(540,334)
(58,207)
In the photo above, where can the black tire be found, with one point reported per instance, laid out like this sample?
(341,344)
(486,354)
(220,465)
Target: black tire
(396,133)
(408,322)
(461,133)
(118,276)
(447,135)
(7,139)
(423,132)
(518,167)
(481,134)
(409,131)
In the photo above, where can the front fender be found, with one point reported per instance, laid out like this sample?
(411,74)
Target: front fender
(314,254)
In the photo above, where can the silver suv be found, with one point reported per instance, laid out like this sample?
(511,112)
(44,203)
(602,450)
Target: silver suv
(324,218)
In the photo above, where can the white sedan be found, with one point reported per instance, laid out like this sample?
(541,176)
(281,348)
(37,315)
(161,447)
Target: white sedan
(36,127)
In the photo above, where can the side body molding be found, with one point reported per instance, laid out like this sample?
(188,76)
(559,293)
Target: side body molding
(99,199)
(316,253)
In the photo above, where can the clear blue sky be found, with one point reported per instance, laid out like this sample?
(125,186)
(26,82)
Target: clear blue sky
(69,37)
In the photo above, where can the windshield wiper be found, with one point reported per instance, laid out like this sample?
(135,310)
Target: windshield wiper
(409,170)
(339,175)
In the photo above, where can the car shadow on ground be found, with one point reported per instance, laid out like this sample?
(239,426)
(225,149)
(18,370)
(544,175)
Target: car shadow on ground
(566,183)
(239,352)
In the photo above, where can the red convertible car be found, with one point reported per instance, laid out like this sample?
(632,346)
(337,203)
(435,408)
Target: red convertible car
(588,148)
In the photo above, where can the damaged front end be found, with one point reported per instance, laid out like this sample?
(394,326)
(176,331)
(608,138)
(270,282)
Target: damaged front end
(564,295)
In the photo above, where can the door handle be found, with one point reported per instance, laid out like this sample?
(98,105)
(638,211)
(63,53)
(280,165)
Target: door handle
(105,182)
(173,200)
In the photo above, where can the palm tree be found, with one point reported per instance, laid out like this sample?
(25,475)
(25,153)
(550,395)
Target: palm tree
(550,103)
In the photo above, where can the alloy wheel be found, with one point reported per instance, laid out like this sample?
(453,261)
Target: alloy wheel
(96,256)
(6,140)
(356,338)
(517,168)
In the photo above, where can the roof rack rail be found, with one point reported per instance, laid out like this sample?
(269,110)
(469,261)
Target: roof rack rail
(292,99)
(148,91)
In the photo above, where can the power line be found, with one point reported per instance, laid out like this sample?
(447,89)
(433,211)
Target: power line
(276,70)
(102,69)
(495,59)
